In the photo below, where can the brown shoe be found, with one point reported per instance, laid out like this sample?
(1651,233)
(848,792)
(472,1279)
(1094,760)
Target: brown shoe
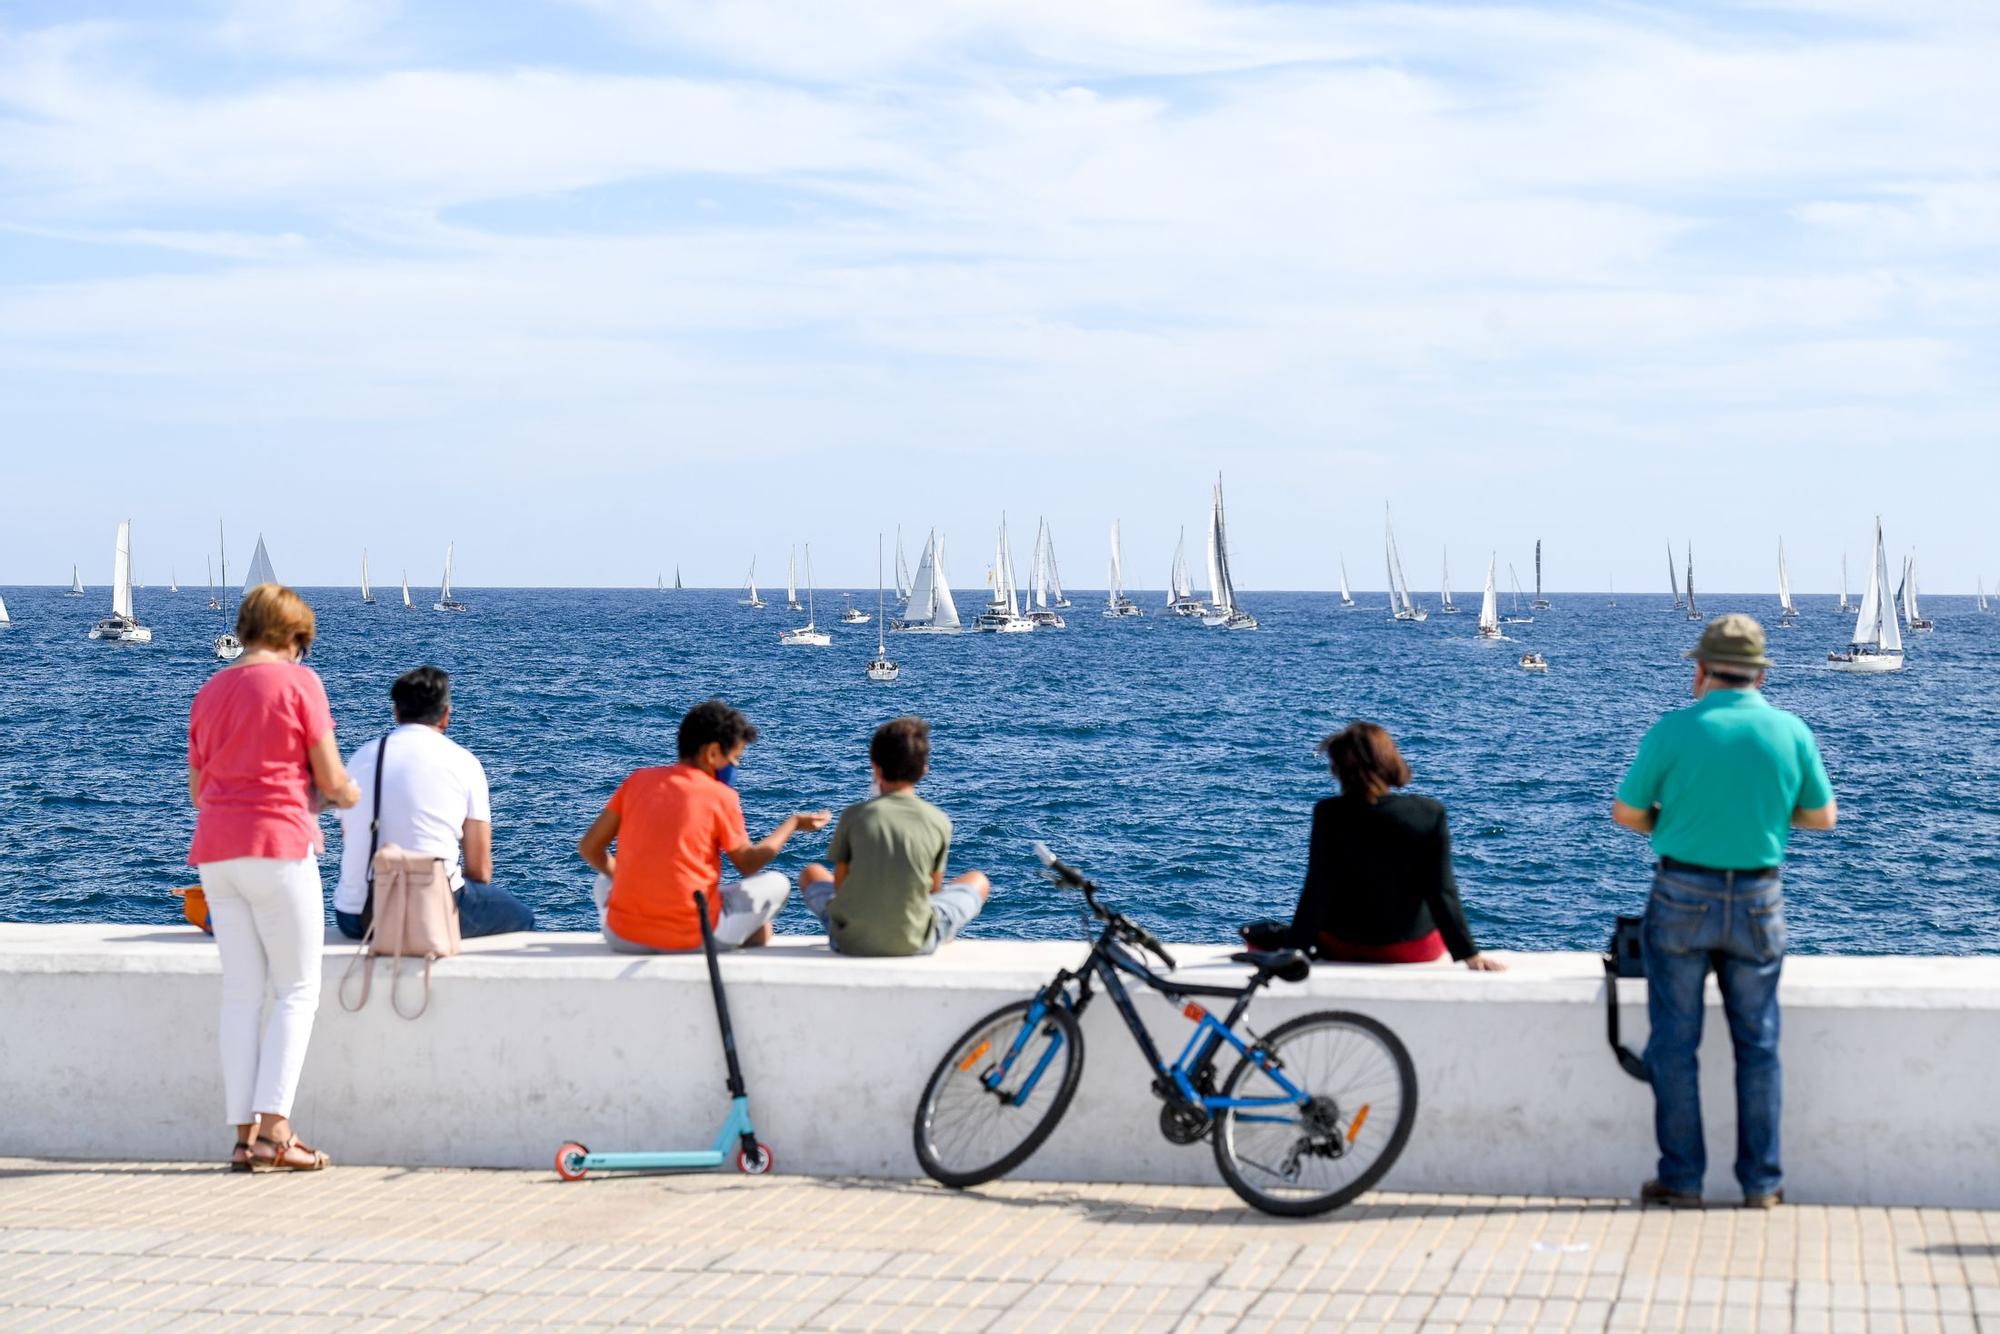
(1655,1193)
(291,1156)
(1766,1200)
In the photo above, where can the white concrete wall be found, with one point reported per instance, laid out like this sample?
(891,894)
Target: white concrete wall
(107,1049)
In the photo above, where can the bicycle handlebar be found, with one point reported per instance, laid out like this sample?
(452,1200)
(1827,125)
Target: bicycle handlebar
(1127,928)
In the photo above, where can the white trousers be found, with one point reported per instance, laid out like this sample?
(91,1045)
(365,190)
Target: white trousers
(270,928)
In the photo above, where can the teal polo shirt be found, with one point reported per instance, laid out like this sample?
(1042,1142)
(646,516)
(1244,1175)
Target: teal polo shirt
(1727,773)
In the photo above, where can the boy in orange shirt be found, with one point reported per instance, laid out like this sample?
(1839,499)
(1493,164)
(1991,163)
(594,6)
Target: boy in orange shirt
(673,825)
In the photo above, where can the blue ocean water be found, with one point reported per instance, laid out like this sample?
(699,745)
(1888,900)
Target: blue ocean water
(1174,763)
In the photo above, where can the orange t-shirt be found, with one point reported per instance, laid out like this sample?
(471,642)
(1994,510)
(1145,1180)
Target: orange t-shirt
(674,824)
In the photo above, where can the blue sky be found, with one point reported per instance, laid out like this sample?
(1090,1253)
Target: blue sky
(603,287)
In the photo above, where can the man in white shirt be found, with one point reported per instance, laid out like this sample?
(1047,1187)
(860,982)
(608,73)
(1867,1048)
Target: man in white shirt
(434,801)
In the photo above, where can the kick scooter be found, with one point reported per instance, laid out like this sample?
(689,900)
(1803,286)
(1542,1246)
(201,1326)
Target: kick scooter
(573,1160)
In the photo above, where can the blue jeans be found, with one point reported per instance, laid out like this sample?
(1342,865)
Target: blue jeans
(951,908)
(1736,925)
(482,911)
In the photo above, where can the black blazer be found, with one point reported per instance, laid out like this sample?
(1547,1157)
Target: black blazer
(1379,873)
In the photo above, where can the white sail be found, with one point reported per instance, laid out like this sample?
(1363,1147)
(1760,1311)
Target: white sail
(1038,586)
(1875,624)
(1980,582)
(1489,601)
(750,584)
(1910,607)
(75,582)
(444,590)
(1844,604)
(367,591)
(1004,571)
(902,569)
(792,577)
(1226,604)
(173,582)
(1214,563)
(1180,584)
(1672,578)
(1784,582)
(1399,587)
(1052,575)
(1694,612)
(1116,592)
(1346,593)
(260,567)
(1444,580)
(931,603)
(121,573)
(3,612)
(944,614)
(406,588)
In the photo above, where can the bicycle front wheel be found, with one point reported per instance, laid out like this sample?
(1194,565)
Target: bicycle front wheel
(1361,1103)
(998,1093)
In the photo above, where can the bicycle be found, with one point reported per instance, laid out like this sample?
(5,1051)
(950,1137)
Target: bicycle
(1312,1115)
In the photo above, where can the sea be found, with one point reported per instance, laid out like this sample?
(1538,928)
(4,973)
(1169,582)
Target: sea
(1175,764)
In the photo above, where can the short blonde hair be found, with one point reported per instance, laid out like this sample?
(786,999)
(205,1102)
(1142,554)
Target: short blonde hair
(273,616)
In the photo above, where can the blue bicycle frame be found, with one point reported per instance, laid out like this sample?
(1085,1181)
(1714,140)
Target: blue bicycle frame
(1189,1073)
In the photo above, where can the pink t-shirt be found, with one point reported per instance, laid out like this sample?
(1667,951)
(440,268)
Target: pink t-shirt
(248,733)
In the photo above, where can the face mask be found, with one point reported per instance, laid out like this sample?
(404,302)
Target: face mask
(726,775)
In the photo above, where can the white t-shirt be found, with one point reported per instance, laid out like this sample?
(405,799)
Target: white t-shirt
(431,788)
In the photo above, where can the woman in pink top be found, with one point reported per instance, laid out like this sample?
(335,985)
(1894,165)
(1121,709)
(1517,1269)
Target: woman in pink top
(260,741)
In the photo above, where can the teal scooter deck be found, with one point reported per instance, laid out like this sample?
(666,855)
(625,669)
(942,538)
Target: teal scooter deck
(574,1161)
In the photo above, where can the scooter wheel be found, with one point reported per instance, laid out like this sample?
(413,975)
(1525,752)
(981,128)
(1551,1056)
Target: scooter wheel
(569,1161)
(758,1168)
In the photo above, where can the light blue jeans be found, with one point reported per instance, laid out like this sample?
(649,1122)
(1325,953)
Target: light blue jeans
(1734,924)
(951,908)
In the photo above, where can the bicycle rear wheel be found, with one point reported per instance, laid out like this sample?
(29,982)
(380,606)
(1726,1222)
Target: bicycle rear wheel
(1361,1089)
(977,1121)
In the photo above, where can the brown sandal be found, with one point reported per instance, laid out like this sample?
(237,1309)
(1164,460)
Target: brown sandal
(280,1159)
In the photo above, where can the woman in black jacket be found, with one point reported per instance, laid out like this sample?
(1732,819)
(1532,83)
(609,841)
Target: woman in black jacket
(1379,885)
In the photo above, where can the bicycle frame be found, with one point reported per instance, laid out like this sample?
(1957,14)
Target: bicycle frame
(1109,958)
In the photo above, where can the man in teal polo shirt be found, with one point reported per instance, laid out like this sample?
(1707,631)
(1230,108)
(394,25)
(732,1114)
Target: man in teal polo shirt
(1720,786)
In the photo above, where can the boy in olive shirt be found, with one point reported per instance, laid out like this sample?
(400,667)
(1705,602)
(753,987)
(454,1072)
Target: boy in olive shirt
(886,893)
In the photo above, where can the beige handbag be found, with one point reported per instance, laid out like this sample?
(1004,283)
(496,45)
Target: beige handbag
(410,912)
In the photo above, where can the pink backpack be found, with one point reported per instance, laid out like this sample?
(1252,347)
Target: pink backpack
(410,911)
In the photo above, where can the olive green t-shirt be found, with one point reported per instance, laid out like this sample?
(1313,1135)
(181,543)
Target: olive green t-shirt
(894,845)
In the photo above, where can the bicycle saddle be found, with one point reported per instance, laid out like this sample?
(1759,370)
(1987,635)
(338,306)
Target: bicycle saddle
(1285,965)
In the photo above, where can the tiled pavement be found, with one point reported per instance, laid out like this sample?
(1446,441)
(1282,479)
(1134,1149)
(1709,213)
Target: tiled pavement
(142,1245)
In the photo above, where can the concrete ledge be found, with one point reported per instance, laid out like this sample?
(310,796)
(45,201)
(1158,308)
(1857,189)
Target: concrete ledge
(107,1050)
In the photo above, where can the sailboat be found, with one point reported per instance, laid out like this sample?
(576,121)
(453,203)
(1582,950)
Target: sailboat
(851,614)
(1540,603)
(1845,605)
(1003,612)
(226,645)
(260,567)
(930,609)
(659,582)
(1116,604)
(792,581)
(808,635)
(1693,612)
(1614,590)
(1181,600)
(1514,616)
(75,584)
(173,582)
(446,602)
(1674,579)
(750,598)
(881,667)
(1224,610)
(677,578)
(4,621)
(1913,618)
(1788,615)
(1444,587)
(902,572)
(367,589)
(122,625)
(1981,582)
(1346,593)
(407,604)
(1400,606)
(1489,605)
(1057,598)
(1044,590)
(1877,645)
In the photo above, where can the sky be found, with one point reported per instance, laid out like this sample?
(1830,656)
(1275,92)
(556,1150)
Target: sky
(600,288)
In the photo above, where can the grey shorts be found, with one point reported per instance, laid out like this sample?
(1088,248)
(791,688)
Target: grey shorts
(951,908)
(747,904)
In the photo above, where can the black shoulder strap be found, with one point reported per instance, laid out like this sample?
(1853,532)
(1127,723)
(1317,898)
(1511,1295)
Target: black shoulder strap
(374,831)
(1627,958)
